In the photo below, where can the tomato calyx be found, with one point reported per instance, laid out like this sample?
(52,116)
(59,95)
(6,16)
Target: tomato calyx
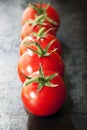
(39,20)
(42,80)
(40,51)
(41,16)
(39,10)
(42,33)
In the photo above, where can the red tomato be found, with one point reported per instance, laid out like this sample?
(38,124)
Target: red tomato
(29,62)
(43,43)
(30,14)
(48,100)
(27,29)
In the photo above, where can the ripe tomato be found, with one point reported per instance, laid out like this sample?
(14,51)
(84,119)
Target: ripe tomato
(28,29)
(43,43)
(48,100)
(30,14)
(29,62)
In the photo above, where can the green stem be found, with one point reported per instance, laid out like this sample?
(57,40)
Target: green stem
(39,10)
(39,18)
(51,76)
(51,21)
(41,31)
(41,4)
(40,50)
(29,81)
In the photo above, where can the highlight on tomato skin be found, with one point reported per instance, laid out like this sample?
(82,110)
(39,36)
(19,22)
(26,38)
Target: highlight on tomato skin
(29,62)
(48,100)
(43,41)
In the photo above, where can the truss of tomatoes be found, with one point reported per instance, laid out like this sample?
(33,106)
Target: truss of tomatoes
(40,67)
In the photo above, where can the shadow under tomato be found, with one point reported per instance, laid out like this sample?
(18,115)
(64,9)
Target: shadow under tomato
(59,121)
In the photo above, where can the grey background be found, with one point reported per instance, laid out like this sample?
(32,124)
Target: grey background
(73,37)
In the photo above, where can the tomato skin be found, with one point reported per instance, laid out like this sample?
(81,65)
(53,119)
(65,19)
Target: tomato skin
(43,43)
(48,100)
(29,62)
(28,14)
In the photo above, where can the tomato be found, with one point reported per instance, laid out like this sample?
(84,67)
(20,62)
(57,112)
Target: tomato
(48,100)
(29,62)
(27,29)
(44,41)
(30,14)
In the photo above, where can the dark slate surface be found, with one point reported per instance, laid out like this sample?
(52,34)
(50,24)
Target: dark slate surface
(72,35)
